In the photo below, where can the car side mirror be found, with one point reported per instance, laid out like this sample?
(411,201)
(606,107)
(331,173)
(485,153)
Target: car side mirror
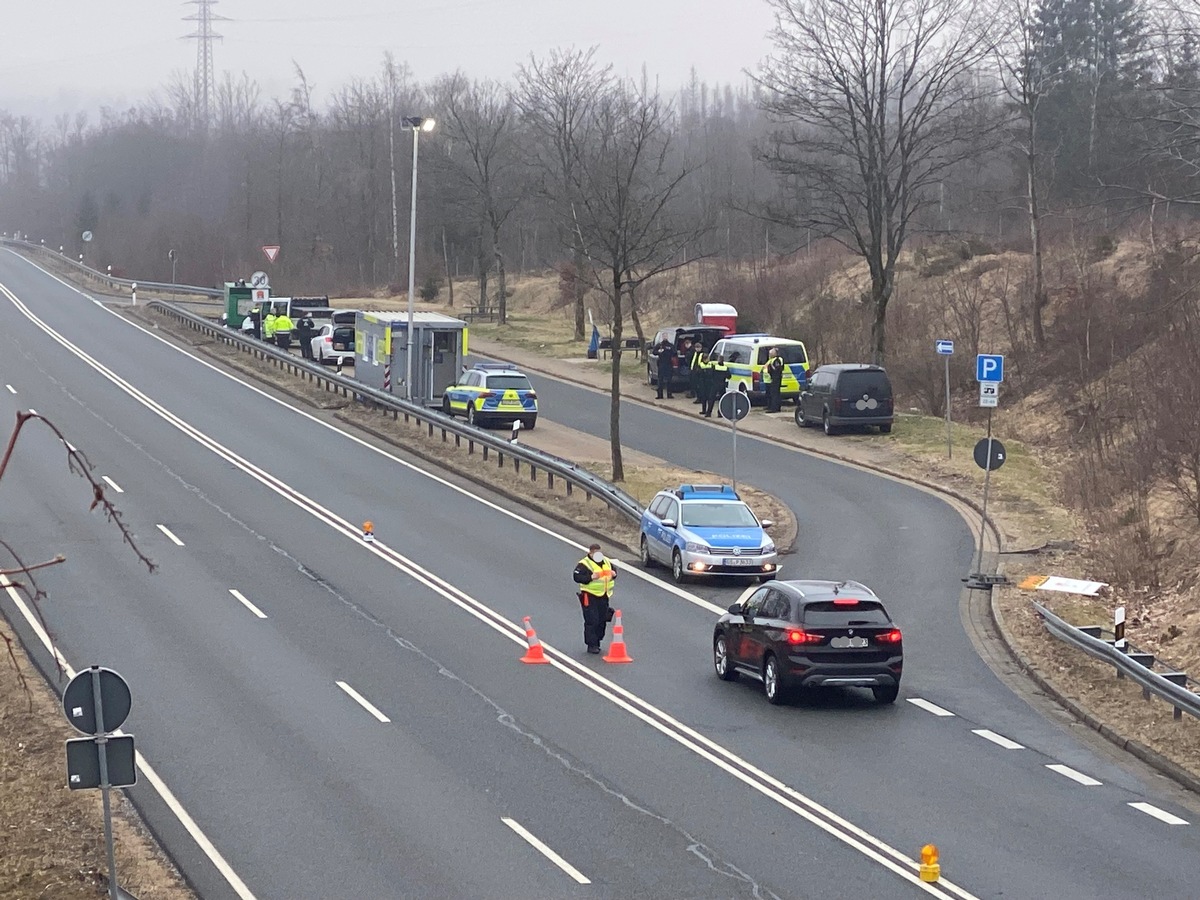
(767,523)
(735,608)
(668,523)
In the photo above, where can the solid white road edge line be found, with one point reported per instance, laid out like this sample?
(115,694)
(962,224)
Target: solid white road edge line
(168,797)
(167,531)
(930,707)
(546,851)
(363,702)
(246,603)
(786,796)
(1161,815)
(112,484)
(1086,780)
(998,739)
(11,389)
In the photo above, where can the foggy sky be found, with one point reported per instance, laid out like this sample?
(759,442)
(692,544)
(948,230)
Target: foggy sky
(68,56)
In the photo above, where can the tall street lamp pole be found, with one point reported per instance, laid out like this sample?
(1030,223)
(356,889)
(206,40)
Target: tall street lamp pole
(417,124)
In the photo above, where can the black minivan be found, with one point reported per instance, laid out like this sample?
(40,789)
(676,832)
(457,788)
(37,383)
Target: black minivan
(682,337)
(846,394)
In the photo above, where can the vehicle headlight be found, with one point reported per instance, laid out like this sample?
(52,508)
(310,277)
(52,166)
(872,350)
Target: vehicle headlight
(769,547)
(693,547)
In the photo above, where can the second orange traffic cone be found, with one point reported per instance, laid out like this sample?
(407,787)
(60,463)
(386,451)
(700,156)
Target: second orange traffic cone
(535,654)
(616,651)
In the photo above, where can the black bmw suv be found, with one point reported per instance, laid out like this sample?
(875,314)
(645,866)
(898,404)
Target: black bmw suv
(798,634)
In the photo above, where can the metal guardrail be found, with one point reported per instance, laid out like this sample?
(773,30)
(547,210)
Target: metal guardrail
(1170,686)
(572,475)
(111,282)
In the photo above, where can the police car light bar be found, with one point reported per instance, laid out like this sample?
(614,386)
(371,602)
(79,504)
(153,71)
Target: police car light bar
(502,365)
(687,490)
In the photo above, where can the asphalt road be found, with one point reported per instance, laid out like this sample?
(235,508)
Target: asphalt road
(264,711)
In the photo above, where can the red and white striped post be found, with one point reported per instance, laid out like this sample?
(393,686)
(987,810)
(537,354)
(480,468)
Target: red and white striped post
(387,376)
(1119,641)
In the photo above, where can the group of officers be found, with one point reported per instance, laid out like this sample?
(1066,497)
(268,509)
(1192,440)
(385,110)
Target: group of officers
(708,377)
(277,328)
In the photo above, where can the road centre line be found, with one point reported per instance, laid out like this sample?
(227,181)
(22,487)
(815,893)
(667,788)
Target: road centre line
(930,707)
(784,795)
(1161,815)
(998,739)
(546,851)
(363,702)
(1086,780)
(112,484)
(206,846)
(167,531)
(246,603)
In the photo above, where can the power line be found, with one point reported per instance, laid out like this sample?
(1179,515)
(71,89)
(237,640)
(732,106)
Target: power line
(204,36)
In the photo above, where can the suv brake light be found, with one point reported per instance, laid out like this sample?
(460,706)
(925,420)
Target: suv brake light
(799,636)
(889,637)
(845,601)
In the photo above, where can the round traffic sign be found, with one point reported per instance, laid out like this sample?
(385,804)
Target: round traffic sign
(79,701)
(989,454)
(87,236)
(734,406)
(260,280)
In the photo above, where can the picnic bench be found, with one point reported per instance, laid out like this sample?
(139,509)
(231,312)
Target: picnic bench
(490,313)
(633,344)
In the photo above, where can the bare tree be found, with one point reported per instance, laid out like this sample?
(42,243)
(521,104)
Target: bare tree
(1021,56)
(479,127)
(556,97)
(628,184)
(874,103)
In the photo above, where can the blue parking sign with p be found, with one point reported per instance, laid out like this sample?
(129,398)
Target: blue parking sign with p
(989,367)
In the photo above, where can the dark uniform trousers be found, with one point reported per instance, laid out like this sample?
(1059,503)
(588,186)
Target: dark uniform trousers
(595,618)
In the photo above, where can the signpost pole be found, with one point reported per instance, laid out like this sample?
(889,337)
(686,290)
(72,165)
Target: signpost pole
(102,742)
(735,453)
(949,449)
(987,478)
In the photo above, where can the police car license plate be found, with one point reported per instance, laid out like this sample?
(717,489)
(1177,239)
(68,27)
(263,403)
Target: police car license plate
(841,642)
(740,561)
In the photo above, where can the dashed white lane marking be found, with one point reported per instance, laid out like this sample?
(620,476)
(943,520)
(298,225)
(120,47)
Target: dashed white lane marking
(112,484)
(32,411)
(246,603)
(1087,780)
(546,851)
(363,702)
(1161,815)
(167,531)
(11,389)
(929,707)
(999,739)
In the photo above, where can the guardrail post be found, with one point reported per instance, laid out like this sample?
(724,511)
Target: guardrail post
(1092,631)
(533,473)
(550,479)
(1179,678)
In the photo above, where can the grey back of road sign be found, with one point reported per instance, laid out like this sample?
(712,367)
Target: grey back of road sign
(734,406)
(83,762)
(996,458)
(79,702)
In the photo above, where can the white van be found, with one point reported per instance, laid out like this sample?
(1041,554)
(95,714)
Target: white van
(746,356)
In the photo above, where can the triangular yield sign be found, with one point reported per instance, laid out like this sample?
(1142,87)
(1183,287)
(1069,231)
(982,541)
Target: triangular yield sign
(271,251)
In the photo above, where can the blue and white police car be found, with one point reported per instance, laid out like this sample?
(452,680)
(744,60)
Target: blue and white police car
(706,529)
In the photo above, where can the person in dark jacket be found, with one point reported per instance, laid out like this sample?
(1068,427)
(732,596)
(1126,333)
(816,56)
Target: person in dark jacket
(706,391)
(666,368)
(306,328)
(774,373)
(595,576)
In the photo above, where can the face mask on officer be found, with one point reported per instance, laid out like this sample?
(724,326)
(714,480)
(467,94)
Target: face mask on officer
(597,556)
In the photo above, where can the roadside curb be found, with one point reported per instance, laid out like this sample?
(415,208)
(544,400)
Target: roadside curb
(1149,756)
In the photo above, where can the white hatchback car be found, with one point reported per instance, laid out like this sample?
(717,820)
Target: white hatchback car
(334,344)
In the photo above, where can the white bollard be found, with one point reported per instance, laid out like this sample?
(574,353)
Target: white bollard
(134,291)
(516,427)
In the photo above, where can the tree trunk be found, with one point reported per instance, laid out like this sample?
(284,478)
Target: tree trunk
(1035,235)
(580,312)
(881,293)
(637,322)
(446,262)
(484,267)
(614,409)
(500,276)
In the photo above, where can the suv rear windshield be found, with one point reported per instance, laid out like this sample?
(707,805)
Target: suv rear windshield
(864,382)
(826,614)
(509,383)
(718,515)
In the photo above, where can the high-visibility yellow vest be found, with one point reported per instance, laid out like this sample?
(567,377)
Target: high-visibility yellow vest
(601,584)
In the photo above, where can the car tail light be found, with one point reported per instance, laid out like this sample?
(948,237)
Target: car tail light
(889,637)
(532,395)
(799,636)
(329,339)
(755,378)
(483,395)
(845,601)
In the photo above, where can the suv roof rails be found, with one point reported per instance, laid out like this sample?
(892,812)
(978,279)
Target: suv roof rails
(501,365)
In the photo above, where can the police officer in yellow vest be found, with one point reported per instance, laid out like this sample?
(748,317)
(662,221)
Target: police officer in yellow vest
(268,326)
(595,577)
(717,377)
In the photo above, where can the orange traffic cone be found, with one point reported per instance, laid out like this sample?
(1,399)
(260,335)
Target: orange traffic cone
(535,654)
(616,651)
